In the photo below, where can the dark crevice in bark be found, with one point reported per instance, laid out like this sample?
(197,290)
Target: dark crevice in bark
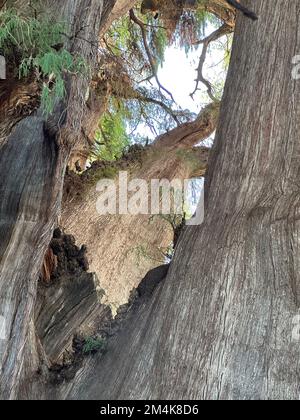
(107,329)
(67,300)
(68,310)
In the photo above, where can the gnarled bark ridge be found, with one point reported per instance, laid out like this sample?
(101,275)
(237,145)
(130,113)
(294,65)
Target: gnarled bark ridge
(33,162)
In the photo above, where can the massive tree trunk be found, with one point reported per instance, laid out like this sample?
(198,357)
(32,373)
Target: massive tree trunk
(220,327)
(118,250)
(34,155)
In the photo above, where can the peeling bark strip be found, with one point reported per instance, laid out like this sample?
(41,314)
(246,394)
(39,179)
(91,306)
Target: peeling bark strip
(49,266)
(2,68)
(221,325)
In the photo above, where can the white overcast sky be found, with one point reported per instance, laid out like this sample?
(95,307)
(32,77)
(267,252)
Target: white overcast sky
(178,74)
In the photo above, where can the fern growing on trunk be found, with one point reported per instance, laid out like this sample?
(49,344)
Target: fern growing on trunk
(35,45)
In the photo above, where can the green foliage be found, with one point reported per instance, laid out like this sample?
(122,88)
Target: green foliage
(228,48)
(37,45)
(112,138)
(125,41)
(27,34)
(109,172)
(141,112)
(158,41)
(93,345)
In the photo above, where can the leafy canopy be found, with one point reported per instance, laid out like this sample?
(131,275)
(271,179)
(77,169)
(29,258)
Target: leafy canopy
(33,45)
(141,101)
(112,137)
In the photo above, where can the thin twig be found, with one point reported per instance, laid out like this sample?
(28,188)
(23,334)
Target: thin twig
(142,25)
(3,3)
(223,30)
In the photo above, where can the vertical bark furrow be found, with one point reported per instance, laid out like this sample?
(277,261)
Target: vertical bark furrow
(30,198)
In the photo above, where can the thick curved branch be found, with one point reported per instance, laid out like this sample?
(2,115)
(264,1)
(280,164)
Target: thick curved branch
(120,8)
(189,134)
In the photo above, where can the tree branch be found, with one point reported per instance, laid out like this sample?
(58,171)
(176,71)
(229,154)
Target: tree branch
(142,25)
(223,30)
(189,134)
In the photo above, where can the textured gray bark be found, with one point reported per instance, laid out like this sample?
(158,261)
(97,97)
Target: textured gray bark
(29,189)
(32,165)
(220,327)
